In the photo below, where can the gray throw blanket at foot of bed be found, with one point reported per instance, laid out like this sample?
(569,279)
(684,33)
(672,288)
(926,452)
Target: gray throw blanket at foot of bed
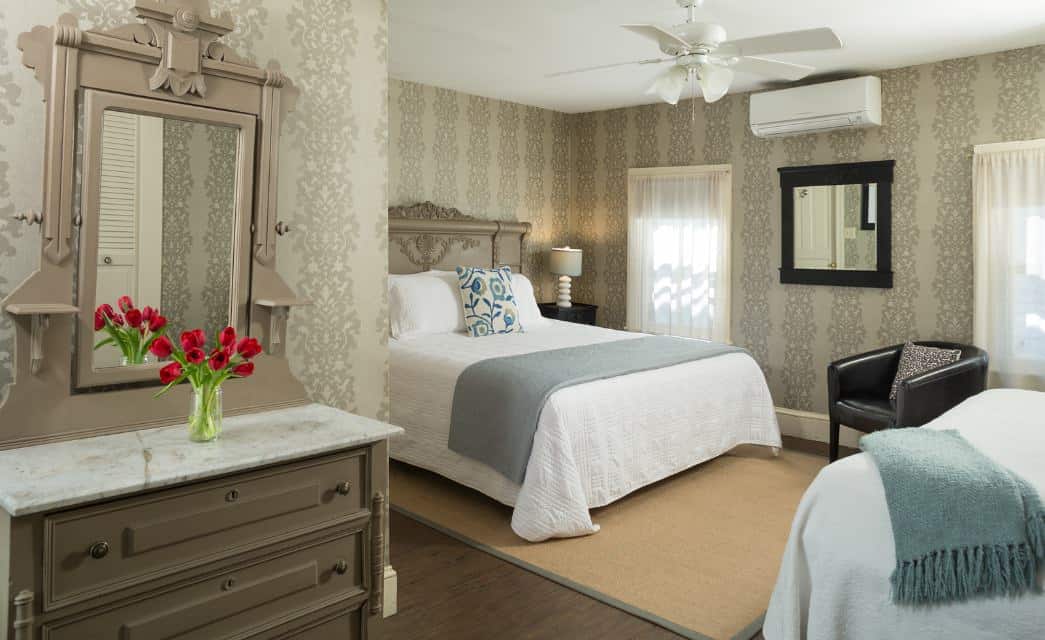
(963,525)
(498,401)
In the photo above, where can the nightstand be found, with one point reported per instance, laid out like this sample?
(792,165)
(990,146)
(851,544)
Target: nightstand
(579,312)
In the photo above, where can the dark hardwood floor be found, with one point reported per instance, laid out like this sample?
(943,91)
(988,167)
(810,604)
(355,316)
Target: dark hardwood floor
(449,590)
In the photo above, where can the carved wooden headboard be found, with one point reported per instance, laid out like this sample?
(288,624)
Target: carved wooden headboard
(426,236)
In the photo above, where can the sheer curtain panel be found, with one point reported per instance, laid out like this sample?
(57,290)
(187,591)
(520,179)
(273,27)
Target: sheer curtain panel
(678,251)
(1009,260)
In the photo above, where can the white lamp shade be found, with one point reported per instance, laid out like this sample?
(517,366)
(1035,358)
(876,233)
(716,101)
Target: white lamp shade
(565,262)
(669,85)
(714,81)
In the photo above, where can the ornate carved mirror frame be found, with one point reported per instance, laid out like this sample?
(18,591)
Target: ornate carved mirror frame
(171,61)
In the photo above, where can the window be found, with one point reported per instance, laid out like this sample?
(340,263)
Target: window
(678,251)
(1009,250)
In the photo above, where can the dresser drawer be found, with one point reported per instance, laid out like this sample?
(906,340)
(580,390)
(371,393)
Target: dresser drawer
(344,621)
(125,542)
(347,626)
(241,602)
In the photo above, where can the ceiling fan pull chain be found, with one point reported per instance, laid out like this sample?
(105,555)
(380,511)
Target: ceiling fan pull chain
(693,97)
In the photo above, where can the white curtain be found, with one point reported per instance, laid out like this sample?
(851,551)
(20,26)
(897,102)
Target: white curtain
(678,251)
(1009,259)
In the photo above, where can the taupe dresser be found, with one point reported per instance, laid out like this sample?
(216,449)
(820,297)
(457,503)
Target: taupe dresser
(276,530)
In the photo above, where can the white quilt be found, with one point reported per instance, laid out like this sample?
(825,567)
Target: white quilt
(834,581)
(595,442)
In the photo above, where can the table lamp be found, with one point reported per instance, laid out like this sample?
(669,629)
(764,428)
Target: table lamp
(565,262)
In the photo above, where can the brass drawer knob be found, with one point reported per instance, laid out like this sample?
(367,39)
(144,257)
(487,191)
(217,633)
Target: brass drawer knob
(341,568)
(229,584)
(99,550)
(344,488)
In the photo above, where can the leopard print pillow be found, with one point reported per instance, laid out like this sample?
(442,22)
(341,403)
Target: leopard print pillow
(917,359)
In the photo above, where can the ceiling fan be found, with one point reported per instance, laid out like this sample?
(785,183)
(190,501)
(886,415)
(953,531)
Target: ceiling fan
(700,50)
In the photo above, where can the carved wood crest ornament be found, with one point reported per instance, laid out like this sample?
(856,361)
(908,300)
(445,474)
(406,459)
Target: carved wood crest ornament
(427,210)
(428,234)
(186,33)
(426,250)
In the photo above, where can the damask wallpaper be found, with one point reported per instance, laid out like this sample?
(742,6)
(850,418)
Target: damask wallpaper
(488,158)
(932,116)
(450,148)
(199,192)
(333,176)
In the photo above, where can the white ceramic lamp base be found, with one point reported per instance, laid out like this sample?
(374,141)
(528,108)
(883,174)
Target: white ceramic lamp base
(564,292)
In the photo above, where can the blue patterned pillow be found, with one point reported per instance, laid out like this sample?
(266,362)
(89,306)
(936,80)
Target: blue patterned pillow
(489,302)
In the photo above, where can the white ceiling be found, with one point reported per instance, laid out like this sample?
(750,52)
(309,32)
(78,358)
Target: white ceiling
(504,48)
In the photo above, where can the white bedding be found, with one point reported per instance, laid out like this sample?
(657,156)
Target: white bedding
(834,580)
(595,442)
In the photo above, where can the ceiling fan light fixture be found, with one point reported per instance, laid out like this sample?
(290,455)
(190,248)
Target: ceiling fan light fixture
(669,85)
(714,81)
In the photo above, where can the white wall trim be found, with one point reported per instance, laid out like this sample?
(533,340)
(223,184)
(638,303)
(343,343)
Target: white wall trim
(812,426)
(995,147)
(691,170)
(5,570)
(390,601)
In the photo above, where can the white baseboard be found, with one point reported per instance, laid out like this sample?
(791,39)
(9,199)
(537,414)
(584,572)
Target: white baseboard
(390,603)
(5,570)
(812,426)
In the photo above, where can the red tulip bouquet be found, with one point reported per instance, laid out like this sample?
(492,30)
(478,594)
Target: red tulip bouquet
(231,357)
(133,331)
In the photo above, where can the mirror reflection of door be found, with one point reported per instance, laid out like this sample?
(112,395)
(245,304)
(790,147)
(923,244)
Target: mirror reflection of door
(815,243)
(834,227)
(130,214)
(166,206)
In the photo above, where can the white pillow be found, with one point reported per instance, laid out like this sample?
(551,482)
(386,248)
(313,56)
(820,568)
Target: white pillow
(529,313)
(424,303)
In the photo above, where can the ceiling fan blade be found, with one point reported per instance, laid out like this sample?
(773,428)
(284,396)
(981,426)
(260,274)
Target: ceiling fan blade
(608,66)
(772,68)
(661,35)
(786,42)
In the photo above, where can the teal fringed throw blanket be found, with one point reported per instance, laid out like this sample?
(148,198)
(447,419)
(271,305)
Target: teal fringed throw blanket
(963,525)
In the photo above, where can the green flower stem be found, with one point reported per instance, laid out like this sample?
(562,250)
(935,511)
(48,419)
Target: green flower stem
(204,422)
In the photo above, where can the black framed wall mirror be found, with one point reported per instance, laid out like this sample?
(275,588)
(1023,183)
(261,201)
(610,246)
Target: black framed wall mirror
(837,224)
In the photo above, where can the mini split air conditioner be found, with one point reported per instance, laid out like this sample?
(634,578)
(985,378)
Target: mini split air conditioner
(828,106)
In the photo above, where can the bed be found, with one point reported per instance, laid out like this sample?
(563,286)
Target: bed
(595,442)
(834,578)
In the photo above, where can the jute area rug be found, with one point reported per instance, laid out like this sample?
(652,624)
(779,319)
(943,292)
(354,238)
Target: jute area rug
(697,553)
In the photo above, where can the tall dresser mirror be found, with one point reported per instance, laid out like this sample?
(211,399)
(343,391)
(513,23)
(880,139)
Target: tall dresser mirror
(160,173)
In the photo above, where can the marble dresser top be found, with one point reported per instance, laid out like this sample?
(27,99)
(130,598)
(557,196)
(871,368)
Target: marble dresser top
(62,474)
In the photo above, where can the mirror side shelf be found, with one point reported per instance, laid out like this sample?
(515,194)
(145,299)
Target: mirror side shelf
(274,328)
(40,319)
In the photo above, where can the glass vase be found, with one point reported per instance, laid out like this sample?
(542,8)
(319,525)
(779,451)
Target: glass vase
(130,362)
(205,419)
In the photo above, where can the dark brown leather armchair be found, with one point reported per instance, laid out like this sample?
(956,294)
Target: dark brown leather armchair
(858,389)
